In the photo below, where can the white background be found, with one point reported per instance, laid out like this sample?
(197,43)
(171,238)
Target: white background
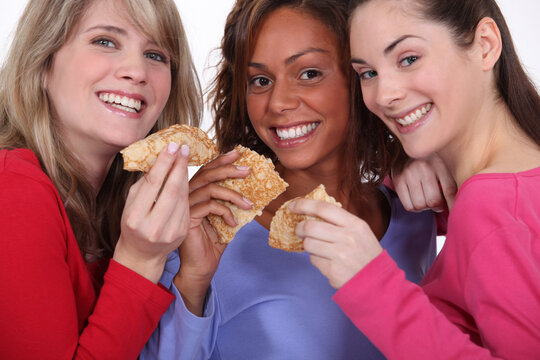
(204,21)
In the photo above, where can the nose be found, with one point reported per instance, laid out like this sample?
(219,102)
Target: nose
(283,97)
(389,89)
(133,67)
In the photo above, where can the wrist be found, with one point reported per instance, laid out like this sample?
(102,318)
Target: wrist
(193,291)
(151,268)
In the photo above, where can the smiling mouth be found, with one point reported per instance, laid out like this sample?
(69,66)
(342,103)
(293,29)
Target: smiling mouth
(295,132)
(122,102)
(414,116)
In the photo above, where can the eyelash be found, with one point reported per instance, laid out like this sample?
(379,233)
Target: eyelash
(152,55)
(364,75)
(411,59)
(317,73)
(256,81)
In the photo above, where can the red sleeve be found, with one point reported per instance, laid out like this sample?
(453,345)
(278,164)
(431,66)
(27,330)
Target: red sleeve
(47,293)
(126,314)
(399,319)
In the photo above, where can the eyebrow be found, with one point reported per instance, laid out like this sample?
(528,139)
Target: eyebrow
(291,58)
(388,49)
(114,29)
(110,28)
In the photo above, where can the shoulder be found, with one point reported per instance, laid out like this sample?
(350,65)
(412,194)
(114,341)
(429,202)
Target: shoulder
(31,211)
(23,183)
(487,202)
(21,163)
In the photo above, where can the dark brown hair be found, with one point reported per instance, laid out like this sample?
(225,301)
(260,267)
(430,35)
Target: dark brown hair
(228,94)
(514,87)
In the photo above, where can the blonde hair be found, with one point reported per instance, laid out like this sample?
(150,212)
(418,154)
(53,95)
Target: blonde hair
(26,118)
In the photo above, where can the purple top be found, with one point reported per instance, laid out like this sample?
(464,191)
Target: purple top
(266,303)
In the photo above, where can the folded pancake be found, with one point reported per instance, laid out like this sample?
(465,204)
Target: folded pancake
(141,155)
(282,228)
(261,186)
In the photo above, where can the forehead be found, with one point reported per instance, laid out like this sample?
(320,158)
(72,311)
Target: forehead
(378,23)
(115,12)
(287,31)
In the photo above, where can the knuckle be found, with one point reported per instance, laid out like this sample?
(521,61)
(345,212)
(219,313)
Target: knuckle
(132,222)
(152,178)
(309,226)
(432,202)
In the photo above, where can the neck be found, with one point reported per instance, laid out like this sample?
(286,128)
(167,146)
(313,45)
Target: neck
(492,142)
(95,166)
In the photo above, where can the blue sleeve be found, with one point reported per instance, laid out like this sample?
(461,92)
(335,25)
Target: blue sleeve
(180,334)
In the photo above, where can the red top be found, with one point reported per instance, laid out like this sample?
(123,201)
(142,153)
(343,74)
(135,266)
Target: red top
(52,306)
(481,297)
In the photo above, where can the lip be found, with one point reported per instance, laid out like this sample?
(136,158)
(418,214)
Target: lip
(404,129)
(290,143)
(119,111)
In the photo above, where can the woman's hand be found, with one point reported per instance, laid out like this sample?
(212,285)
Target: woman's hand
(155,220)
(340,245)
(425,184)
(201,252)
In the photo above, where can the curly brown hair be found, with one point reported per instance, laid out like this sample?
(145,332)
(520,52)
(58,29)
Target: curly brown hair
(369,150)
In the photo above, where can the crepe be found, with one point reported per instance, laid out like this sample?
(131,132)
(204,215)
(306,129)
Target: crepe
(261,186)
(282,228)
(141,155)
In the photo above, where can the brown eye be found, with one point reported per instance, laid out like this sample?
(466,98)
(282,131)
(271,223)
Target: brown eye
(310,74)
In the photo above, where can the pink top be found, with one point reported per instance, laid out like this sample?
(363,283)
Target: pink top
(481,297)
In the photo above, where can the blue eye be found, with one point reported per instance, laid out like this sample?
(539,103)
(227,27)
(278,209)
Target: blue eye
(366,75)
(156,56)
(104,42)
(310,74)
(408,61)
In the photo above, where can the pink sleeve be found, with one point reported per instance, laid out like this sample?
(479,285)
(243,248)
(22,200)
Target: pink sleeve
(397,316)
(502,291)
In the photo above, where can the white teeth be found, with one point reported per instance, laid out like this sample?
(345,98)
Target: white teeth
(121,102)
(414,116)
(295,132)
(125,108)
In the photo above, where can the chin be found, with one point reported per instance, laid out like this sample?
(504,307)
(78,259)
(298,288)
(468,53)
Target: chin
(294,164)
(418,152)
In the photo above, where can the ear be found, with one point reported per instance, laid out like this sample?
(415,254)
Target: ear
(488,37)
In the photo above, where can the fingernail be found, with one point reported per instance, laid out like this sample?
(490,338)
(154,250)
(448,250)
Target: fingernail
(184,150)
(172,148)
(247,201)
(291,206)
(242,168)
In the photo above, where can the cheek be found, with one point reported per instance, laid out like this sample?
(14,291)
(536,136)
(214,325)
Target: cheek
(161,85)
(255,105)
(369,98)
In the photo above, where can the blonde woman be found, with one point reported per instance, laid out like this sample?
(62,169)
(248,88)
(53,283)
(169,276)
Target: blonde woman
(84,243)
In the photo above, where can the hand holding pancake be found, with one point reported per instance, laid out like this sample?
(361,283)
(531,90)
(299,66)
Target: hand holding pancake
(155,220)
(201,252)
(340,245)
